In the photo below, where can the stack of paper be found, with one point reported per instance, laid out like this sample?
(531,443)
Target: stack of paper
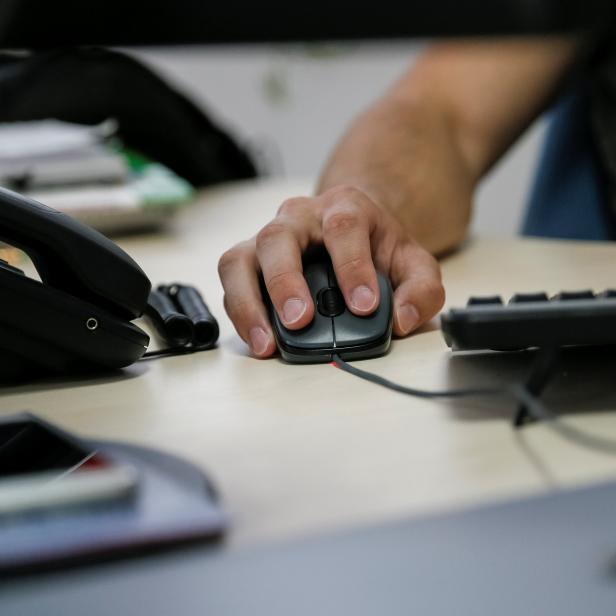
(74,169)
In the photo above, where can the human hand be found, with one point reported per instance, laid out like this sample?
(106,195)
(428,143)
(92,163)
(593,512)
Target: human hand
(360,237)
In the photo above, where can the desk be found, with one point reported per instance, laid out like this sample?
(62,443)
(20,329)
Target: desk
(297,450)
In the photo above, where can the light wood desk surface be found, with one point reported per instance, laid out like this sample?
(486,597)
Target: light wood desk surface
(300,449)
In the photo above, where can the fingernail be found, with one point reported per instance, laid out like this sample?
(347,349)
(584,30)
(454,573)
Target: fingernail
(293,310)
(259,340)
(407,317)
(363,298)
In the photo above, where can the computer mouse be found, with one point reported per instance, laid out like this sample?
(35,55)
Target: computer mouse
(334,328)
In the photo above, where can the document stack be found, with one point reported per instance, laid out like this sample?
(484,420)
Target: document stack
(82,171)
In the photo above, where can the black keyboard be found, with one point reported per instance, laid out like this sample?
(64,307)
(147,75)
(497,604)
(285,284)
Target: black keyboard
(533,320)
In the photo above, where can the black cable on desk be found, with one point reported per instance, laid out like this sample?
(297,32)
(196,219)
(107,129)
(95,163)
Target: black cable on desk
(418,393)
(173,352)
(535,408)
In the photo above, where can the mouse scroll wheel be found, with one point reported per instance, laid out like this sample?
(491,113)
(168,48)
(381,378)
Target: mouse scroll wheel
(330,302)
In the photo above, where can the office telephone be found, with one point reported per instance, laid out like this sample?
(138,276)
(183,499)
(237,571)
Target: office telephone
(78,317)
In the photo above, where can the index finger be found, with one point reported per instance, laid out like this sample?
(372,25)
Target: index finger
(280,245)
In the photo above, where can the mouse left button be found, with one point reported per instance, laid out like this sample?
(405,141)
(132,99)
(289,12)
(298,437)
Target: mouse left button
(318,334)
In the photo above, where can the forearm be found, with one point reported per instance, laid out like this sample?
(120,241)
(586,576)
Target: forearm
(421,151)
(492,90)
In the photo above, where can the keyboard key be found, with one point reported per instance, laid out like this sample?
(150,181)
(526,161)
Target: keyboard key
(607,294)
(522,298)
(485,301)
(569,295)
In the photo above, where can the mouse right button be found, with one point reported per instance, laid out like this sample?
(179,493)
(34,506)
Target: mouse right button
(351,330)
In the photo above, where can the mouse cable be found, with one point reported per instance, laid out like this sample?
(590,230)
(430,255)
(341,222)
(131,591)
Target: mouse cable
(535,408)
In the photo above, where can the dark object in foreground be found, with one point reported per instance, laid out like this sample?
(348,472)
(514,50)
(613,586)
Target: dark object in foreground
(173,503)
(89,86)
(35,24)
(553,555)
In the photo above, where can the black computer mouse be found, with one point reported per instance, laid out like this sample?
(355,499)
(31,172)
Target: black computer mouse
(334,328)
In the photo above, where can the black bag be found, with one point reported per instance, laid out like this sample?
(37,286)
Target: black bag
(91,85)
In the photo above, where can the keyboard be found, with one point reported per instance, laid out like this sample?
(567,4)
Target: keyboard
(532,320)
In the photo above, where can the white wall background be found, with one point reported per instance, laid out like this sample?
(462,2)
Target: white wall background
(293,102)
